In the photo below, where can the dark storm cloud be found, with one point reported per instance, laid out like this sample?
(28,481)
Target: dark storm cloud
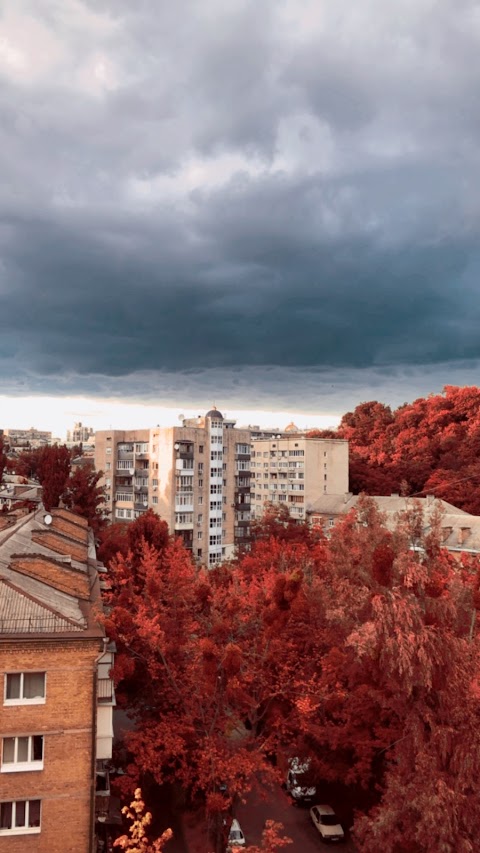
(236,187)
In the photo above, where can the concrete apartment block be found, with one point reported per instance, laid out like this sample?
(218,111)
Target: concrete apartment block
(295,470)
(195,476)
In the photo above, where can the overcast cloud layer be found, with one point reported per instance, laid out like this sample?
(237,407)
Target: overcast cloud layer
(236,188)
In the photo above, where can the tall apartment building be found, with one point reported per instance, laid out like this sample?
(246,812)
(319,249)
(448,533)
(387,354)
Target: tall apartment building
(196,476)
(56,694)
(80,434)
(294,470)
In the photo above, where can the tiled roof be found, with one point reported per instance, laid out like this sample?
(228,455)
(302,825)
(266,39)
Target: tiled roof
(20,614)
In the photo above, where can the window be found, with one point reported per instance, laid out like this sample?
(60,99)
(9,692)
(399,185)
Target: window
(108,465)
(296,453)
(141,447)
(200,517)
(331,522)
(123,513)
(200,483)
(200,466)
(324,476)
(200,448)
(155,499)
(123,496)
(108,450)
(184,518)
(22,688)
(200,500)
(22,753)
(19,815)
(199,534)
(155,482)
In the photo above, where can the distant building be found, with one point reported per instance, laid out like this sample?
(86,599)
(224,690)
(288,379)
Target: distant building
(459,530)
(208,478)
(56,711)
(80,434)
(27,437)
(293,470)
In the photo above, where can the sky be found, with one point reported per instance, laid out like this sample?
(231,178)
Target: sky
(267,204)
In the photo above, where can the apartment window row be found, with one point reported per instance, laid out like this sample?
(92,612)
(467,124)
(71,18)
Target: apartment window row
(296,453)
(215,522)
(123,496)
(215,490)
(125,447)
(242,448)
(215,472)
(141,447)
(215,504)
(216,454)
(215,539)
(124,464)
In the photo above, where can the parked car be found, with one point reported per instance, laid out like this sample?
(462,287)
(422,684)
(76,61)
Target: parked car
(298,783)
(236,837)
(327,823)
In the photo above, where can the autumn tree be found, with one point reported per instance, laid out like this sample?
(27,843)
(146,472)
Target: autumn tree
(358,651)
(53,471)
(137,840)
(84,496)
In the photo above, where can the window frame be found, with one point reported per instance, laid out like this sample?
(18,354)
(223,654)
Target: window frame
(22,766)
(36,700)
(25,829)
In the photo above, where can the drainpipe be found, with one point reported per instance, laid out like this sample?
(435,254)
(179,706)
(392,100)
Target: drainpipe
(94,744)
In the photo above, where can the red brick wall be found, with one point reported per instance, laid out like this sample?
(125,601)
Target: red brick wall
(63,578)
(67,720)
(72,517)
(69,528)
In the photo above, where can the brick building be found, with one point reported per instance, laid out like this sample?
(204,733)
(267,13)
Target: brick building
(57,696)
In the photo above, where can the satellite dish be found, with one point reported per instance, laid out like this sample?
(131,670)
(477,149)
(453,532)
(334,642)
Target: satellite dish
(47,519)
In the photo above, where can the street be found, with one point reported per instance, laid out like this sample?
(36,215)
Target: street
(277,805)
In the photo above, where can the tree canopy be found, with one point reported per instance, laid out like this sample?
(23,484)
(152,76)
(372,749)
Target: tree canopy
(356,650)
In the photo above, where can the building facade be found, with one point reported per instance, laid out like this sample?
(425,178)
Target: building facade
(195,476)
(27,437)
(292,469)
(80,434)
(57,697)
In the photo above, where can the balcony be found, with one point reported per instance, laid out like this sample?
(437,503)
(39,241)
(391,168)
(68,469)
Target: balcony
(142,456)
(143,505)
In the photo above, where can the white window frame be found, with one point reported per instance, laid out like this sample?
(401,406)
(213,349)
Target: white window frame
(25,829)
(17,766)
(35,700)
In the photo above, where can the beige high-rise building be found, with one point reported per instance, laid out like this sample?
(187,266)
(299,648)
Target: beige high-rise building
(294,470)
(196,476)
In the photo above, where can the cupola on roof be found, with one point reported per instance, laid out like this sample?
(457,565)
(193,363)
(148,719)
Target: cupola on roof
(214,414)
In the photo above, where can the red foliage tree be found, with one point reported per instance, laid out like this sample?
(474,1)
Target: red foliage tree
(53,471)
(83,495)
(3,458)
(359,651)
(432,445)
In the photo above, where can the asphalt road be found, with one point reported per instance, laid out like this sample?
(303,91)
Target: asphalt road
(276,805)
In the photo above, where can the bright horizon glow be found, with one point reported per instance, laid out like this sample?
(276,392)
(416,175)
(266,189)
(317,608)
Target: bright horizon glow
(59,414)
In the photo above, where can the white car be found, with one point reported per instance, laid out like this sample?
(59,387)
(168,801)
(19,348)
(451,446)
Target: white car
(236,837)
(327,823)
(297,783)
